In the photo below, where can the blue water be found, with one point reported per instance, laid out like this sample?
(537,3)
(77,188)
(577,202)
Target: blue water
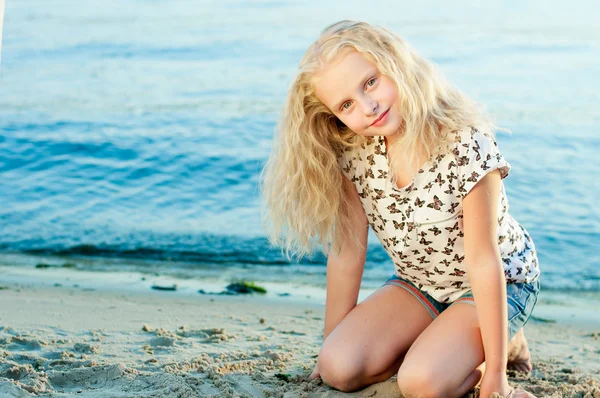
(137,129)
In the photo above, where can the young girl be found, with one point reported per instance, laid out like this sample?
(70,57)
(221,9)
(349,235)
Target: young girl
(372,135)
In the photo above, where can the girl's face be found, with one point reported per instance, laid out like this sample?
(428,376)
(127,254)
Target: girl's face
(359,95)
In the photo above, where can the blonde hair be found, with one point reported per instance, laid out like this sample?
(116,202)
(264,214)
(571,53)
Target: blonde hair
(304,192)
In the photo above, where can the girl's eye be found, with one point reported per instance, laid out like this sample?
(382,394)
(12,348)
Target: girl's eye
(346,105)
(371,82)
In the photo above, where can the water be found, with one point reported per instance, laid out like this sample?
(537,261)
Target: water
(132,132)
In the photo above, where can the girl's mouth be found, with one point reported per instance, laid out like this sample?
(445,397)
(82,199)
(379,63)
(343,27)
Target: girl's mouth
(381,120)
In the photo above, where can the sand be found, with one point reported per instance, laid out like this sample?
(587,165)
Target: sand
(73,340)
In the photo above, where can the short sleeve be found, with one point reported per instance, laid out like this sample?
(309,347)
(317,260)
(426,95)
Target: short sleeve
(477,154)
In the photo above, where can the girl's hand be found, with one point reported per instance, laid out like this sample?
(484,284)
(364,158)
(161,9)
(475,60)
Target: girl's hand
(315,373)
(496,382)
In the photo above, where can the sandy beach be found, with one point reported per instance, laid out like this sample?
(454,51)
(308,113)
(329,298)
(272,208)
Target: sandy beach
(60,337)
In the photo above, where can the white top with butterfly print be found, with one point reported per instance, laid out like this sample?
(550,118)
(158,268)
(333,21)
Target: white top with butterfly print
(420,225)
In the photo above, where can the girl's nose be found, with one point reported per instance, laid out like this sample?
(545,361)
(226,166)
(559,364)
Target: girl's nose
(369,106)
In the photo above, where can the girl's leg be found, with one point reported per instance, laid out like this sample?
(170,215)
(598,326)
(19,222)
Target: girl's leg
(369,343)
(519,357)
(442,361)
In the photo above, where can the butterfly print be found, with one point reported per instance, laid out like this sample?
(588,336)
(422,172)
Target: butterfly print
(366,192)
(457,284)
(447,251)
(429,274)
(373,218)
(452,164)
(402,256)
(428,186)
(484,165)
(402,200)
(398,225)
(423,260)
(433,168)
(436,204)
(383,220)
(457,272)
(451,242)
(453,207)
(419,202)
(438,271)
(451,177)
(369,173)
(458,258)
(379,151)
(382,174)
(380,194)
(410,226)
(409,210)
(392,208)
(436,231)
(473,177)
(439,180)
(450,190)
(430,250)
(476,148)
(454,228)
(462,161)
(408,264)
(371,160)
(446,262)
(416,252)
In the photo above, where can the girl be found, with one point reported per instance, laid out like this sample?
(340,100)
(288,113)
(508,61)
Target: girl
(372,135)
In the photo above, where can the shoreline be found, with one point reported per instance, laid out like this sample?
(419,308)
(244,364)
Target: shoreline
(109,339)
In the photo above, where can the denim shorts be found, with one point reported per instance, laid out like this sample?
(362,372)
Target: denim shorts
(521,298)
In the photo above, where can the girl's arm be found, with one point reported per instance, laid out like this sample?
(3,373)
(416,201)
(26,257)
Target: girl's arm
(345,269)
(485,269)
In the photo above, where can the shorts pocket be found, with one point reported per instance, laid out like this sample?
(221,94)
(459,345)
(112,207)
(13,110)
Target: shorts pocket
(517,298)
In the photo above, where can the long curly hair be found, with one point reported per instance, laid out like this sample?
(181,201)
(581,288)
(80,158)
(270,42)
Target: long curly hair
(306,202)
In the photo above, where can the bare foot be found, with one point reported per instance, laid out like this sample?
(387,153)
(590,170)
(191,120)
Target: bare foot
(519,393)
(519,358)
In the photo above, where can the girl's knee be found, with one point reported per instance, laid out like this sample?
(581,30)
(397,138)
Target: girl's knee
(416,381)
(340,369)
